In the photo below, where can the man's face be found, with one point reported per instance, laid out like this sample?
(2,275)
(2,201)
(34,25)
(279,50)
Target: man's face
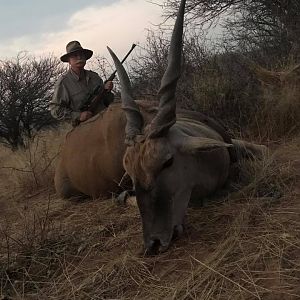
(77,59)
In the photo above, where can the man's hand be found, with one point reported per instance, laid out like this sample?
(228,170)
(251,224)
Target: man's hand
(85,115)
(108,85)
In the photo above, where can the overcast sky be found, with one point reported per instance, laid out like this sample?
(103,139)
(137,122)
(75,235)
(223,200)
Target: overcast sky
(45,27)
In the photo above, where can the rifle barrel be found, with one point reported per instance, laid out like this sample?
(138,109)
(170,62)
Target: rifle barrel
(112,76)
(91,100)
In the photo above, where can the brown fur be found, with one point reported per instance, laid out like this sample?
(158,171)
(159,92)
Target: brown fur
(91,158)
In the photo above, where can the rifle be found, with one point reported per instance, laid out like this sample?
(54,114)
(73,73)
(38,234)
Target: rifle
(96,96)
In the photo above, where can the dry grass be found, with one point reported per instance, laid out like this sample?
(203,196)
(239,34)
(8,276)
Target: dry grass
(31,169)
(242,245)
(279,112)
(250,98)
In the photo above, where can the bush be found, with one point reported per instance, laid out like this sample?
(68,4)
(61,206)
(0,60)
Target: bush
(26,86)
(226,90)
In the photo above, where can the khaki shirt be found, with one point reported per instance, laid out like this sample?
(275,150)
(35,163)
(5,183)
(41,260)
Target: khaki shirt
(71,92)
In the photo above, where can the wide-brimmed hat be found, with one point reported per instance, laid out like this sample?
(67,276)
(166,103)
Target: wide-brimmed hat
(74,46)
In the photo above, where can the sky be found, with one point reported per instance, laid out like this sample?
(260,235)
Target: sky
(45,27)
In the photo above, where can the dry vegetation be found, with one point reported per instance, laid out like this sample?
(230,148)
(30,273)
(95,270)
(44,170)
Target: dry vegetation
(243,244)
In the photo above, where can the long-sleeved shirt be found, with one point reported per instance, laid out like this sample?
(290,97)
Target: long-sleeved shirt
(71,92)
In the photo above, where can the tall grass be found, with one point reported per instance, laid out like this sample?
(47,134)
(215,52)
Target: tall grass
(280,112)
(249,98)
(32,168)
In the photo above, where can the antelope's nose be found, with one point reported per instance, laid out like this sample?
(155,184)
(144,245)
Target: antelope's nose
(155,246)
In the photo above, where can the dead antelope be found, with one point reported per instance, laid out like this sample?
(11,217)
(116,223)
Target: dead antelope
(171,156)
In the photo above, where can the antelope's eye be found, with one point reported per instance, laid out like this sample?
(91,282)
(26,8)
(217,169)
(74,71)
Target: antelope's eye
(168,163)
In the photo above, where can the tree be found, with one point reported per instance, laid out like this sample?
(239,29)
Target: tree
(26,86)
(271,26)
(148,66)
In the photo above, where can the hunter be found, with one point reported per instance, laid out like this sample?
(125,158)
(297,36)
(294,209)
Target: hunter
(75,89)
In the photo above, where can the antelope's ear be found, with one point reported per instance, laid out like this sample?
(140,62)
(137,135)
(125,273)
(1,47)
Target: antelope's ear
(197,144)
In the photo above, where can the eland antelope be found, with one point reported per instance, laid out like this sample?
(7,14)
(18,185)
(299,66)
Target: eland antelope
(170,155)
